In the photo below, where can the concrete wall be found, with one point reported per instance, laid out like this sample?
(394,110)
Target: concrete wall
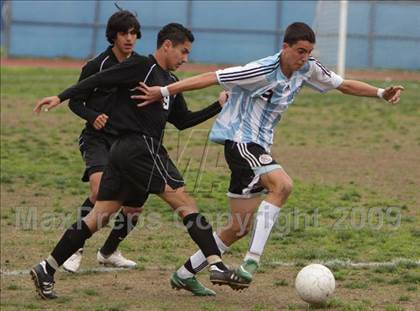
(380,34)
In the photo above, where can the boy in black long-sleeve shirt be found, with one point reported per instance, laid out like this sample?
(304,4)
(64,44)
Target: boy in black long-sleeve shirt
(96,106)
(138,163)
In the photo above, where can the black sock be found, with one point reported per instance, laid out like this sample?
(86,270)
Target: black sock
(189,267)
(85,208)
(220,265)
(202,234)
(122,227)
(70,242)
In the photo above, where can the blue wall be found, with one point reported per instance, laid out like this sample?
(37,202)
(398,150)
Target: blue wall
(225,31)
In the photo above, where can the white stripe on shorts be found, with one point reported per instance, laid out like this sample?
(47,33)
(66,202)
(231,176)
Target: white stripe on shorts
(250,154)
(154,160)
(245,156)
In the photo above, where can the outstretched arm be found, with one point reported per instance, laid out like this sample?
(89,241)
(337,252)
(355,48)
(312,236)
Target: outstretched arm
(82,87)
(50,102)
(391,94)
(155,93)
(126,72)
(183,118)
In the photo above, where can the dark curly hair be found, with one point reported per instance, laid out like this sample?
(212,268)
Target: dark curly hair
(121,21)
(176,33)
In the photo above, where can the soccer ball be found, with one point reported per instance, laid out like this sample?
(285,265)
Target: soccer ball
(315,283)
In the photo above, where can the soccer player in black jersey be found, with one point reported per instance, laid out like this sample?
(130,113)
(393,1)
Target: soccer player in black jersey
(122,31)
(138,163)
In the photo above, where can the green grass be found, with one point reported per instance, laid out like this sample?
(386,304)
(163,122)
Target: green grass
(281,282)
(394,308)
(347,220)
(13,287)
(365,218)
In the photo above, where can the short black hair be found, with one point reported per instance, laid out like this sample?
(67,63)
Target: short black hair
(298,32)
(121,21)
(176,33)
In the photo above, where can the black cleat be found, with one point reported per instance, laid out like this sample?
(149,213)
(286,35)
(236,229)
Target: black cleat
(44,282)
(227,277)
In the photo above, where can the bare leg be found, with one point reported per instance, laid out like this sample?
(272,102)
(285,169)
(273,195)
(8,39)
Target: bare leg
(279,186)
(241,217)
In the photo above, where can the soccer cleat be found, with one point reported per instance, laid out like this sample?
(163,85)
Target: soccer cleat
(116,259)
(246,269)
(227,277)
(73,263)
(190,284)
(44,282)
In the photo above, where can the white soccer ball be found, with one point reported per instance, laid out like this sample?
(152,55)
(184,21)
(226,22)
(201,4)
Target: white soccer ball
(315,283)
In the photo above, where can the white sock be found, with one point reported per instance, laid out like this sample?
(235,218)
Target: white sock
(266,218)
(183,273)
(252,256)
(222,246)
(198,261)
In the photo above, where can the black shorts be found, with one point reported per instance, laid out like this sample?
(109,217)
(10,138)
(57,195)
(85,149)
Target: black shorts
(138,165)
(247,162)
(95,147)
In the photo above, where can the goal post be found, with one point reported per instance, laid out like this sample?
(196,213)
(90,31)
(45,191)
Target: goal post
(330,26)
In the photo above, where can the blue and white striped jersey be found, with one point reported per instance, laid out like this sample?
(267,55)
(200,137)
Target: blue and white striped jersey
(260,94)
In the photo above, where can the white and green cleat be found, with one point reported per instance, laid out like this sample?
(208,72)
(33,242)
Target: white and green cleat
(246,269)
(191,284)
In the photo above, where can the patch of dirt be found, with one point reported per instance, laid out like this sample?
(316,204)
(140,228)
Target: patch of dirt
(150,290)
(392,173)
(19,113)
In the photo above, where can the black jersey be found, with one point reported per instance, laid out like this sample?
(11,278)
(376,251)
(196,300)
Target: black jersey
(149,120)
(92,103)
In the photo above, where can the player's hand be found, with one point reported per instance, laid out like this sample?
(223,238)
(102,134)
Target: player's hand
(392,94)
(150,94)
(100,121)
(50,102)
(223,97)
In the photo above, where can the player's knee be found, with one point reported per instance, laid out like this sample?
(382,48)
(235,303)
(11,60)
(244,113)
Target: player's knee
(94,222)
(93,196)
(94,187)
(103,219)
(187,206)
(288,187)
(133,211)
(97,219)
(281,188)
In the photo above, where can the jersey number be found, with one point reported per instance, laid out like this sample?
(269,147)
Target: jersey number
(267,96)
(165,103)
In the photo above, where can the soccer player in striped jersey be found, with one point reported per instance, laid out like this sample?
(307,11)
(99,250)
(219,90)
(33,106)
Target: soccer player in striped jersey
(260,92)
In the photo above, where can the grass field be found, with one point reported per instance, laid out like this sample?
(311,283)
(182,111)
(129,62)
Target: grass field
(356,168)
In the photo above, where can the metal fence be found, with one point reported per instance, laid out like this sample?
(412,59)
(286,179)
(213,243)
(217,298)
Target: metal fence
(381,34)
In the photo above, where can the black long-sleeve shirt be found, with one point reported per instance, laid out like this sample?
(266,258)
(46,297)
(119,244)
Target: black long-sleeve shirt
(92,103)
(149,120)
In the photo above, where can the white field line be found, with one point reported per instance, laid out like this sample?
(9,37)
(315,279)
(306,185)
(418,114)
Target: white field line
(350,264)
(330,263)
(81,271)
